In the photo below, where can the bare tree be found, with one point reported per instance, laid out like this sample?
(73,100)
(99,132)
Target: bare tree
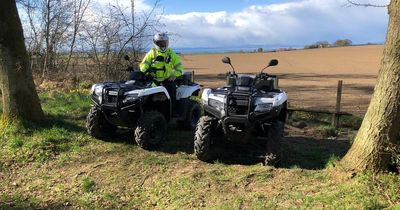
(49,24)
(353,3)
(118,31)
(55,29)
(79,7)
(381,125)
(18,89)
(57,20)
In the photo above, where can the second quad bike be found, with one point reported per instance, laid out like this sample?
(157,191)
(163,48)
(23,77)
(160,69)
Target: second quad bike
(142,106)
(249,109)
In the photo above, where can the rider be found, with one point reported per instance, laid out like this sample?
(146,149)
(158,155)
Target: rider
(164,64)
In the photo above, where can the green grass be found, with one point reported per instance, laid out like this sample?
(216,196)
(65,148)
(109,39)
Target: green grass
(88,184)
(55,164)
(328,131)
(60,132)
(346,121)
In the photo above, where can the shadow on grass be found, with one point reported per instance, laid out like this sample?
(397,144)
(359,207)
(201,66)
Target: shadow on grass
(311,153)
(302,152)
(176,140)
(20,204)
(298,152)
(232,153)
(51,121)
(121,136)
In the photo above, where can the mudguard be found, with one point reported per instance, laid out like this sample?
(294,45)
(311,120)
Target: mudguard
(185,91)
(148,91)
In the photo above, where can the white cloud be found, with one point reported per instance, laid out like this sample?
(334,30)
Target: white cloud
(294,23)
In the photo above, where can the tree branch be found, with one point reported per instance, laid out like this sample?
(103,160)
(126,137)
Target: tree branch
(352,3)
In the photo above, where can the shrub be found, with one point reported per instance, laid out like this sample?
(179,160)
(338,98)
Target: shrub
(330,131)
(319,44)
(343,42)
(88,184)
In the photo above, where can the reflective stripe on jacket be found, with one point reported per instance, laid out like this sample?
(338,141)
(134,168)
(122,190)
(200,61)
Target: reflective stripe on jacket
(166,64)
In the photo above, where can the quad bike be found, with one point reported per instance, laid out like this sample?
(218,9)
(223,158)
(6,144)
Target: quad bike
(249,109)
(140,105)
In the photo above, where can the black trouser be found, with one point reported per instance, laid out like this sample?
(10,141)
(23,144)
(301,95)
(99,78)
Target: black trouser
(171,88)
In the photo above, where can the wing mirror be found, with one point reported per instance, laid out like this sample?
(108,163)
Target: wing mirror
(273,62)
(226,60)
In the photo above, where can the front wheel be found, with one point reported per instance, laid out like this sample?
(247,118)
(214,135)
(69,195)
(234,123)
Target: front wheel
(192,115)
(150,130)
(97,125)
(274,151)
(205,132)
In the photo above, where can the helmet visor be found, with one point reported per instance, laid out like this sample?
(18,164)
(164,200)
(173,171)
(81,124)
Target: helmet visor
(161,44)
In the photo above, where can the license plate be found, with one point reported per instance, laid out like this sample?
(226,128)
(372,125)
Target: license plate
(113,93)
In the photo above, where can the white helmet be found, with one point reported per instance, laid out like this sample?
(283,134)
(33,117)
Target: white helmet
(161,41)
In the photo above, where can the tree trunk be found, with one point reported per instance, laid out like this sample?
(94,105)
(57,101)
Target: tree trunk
(380,127)
(20,98)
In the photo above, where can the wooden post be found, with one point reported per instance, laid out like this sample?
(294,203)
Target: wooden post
(193,76)
(336,115)
(289,113)
(276,80)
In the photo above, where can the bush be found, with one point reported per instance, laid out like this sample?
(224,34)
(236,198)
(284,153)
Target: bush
(328,131)
(342,43)
(319,44)
(88,184)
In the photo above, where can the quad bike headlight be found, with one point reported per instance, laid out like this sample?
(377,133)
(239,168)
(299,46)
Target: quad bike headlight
(216,104)
(130,98)
(205,95)
(263,107)
(263,104)
(97,90)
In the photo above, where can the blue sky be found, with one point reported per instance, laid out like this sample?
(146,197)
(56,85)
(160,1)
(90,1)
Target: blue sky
(184,6)
(286,23)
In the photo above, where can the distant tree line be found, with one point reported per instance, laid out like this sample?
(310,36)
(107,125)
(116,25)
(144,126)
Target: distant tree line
(325,44)
(319,44)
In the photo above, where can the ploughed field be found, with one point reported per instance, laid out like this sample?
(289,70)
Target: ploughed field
(309,76)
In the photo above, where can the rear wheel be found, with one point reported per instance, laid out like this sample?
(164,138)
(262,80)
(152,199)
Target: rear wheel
(205,132)
(97,125)
(150,130)
(274,151)
(192,116)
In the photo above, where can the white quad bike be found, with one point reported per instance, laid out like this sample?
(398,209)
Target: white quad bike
(140,105)
(249,109)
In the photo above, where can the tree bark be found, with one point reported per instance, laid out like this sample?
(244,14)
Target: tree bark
(19,95)
(381,124)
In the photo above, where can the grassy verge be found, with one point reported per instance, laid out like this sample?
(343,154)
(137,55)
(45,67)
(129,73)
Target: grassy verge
(55,164)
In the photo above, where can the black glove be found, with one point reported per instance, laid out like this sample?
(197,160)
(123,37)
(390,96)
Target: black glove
(150,70)
(168,59)
(130,68)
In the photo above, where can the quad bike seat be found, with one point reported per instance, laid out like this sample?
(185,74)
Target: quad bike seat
(245,80)
(138,76)
(265,85)
(185,79)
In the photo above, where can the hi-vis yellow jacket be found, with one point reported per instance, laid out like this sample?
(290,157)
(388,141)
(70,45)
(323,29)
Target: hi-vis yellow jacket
(165,64)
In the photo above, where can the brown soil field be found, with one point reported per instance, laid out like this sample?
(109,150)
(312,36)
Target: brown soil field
(309,76)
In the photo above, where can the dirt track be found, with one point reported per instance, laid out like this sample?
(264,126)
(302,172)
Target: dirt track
(309,76)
